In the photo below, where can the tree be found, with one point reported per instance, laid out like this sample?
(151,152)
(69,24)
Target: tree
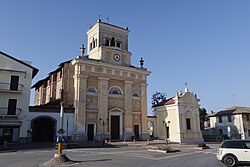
(156,99)
(203,116)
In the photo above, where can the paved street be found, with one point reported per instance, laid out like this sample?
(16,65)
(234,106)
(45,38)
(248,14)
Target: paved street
(139,156)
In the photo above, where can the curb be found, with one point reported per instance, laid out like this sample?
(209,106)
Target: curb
(7,151)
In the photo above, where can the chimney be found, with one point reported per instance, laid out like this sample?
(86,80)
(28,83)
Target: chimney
(82,49)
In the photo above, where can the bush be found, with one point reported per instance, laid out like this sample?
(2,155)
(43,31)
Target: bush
(168,149)
(203,145)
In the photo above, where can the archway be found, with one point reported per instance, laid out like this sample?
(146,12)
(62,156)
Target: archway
(43,129)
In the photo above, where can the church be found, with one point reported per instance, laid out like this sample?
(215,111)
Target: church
(108,95)
(177,119)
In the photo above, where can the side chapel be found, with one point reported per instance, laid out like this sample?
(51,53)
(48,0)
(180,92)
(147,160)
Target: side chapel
(178,119)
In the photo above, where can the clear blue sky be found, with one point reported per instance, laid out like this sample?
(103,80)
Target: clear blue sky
(202,42)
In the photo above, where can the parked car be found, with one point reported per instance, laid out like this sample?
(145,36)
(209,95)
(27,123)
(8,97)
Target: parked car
(234,152)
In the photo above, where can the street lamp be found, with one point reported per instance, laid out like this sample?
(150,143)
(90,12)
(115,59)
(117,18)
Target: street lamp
(166,124)
(103,122)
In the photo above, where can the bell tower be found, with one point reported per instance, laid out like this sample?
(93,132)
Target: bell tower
(109,43)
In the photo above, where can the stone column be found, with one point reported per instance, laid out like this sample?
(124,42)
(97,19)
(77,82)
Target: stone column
(128,129)
(80,84)
(102,104)
(144,113)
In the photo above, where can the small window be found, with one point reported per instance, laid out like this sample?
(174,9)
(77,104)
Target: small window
(248,115)
(113,41)
(93,43)
(61,72)
(220,119)
(14,82)
(118,44)
(90,46)
(106,42)
(229,118)
(12,106)
(188,122)
(136,94)
(92,89)
(115,91)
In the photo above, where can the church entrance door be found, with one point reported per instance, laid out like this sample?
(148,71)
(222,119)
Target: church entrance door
(90,132)
(136,131)
(115,127)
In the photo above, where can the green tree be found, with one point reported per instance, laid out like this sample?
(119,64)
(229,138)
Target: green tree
(156,99)
(203,117)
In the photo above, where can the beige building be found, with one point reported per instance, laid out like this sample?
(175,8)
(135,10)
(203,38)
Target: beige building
(233,122)
(178,119)
(109,94)
(15,87)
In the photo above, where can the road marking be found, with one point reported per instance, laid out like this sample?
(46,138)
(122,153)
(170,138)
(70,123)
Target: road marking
(173,156)
(8,153)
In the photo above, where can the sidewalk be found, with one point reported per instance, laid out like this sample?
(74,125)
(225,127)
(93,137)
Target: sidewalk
(98,144)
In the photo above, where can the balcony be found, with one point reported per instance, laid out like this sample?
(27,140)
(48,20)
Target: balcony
(7,87)
(6,114)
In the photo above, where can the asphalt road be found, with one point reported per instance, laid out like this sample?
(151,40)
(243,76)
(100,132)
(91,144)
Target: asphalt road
(115,157)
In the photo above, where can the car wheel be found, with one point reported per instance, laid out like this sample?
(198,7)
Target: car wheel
(230,160)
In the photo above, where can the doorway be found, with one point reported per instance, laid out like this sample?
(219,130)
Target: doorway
(115,127)
(136,131)
(43,130)
(90,132)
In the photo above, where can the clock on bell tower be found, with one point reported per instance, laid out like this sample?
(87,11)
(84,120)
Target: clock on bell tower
(108,43)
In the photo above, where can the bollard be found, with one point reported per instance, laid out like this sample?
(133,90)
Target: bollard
(60,148)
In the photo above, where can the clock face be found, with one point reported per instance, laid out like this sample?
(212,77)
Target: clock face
(117,57)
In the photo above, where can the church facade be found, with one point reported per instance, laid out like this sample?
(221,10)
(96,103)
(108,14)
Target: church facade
(178,119)
(107,93)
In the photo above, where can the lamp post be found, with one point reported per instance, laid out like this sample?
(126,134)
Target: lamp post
(102,122)
(166,124)
(61,131)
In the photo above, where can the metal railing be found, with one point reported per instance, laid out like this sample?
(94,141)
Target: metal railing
(7,88)
(4,112)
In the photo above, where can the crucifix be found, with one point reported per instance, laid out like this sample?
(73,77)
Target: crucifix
(108,19)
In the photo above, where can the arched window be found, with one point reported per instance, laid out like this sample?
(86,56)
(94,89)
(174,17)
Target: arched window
(115,90)
(93,41)
(92,89)
(112,41)
(135,94)
(106,42)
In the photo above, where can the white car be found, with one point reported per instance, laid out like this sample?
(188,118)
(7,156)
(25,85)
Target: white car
(234,152)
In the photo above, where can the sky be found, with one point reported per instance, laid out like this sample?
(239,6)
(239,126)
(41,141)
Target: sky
(202,42)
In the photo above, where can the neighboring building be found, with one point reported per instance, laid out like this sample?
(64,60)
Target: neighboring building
(178,119)
(107,93)
(15,87)
(231,122)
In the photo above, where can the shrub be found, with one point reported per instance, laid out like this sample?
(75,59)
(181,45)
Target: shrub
(203,145)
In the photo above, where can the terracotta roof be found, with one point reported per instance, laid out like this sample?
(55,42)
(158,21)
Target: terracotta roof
(34,70)
(231,111)
(166,102)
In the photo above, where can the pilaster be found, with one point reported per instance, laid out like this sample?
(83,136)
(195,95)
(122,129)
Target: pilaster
(144,120)
(80,84)
(128,110)
(102,102)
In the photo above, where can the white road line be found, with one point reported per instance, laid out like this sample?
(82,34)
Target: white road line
(173,156)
